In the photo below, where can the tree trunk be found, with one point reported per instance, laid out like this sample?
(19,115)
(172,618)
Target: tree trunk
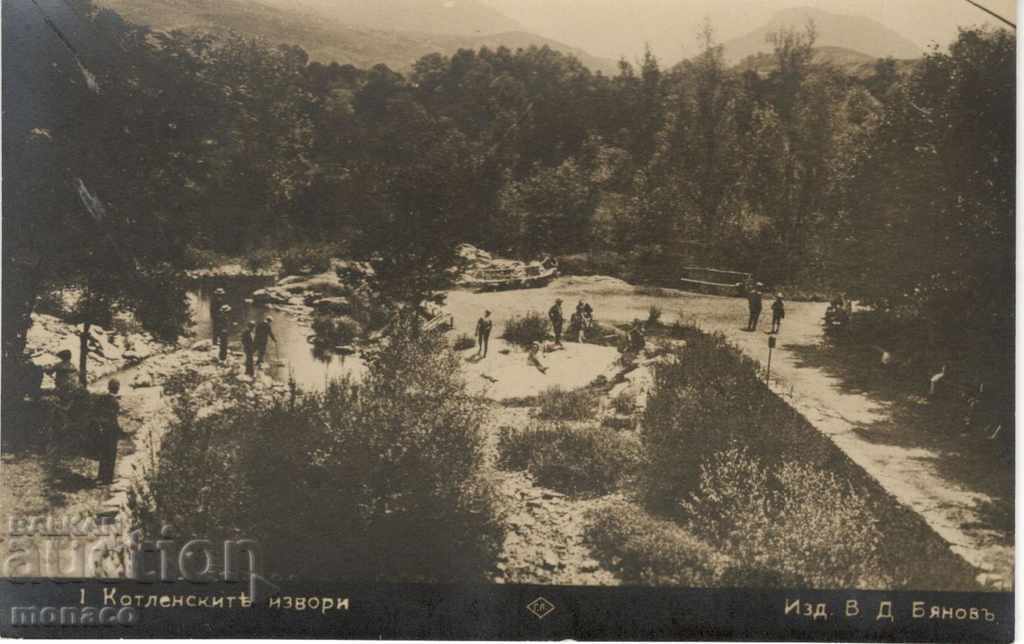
(83,353)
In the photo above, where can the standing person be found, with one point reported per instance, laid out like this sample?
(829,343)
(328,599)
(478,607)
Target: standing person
(576,325)
(249,347)
(65,375)
(264,332)
(778,312)
(483,333)
(106,409)
(216,303)
(754,304)
(223,332)
(557,320)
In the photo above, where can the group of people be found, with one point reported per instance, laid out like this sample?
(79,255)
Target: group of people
(255,337)
(755,300)
(580,322)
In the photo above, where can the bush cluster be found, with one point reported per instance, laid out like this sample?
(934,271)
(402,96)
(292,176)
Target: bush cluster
(574,459)
(305,260)
(463,342)
(527,329)
(556,403)
(260,259)
(378,480)
(333,330)
(652,551)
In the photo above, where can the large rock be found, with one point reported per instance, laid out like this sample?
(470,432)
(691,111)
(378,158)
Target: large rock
(270,295)
(336,305)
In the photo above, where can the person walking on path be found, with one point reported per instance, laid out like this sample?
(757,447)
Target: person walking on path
(106,410)
(483,333)
(264,333)
(557,320)
(223,332)
(778,312)
(249,347)
(754,304)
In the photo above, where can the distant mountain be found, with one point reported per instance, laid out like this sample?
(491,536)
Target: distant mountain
(328,40)
(456,17)
(853,33)
(854,63)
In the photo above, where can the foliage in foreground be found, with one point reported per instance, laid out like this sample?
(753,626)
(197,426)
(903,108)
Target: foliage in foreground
(572,459)
(733,464)
(556,403)
(371,481)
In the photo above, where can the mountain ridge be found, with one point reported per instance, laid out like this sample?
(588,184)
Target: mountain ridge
(849,32)
(327,40)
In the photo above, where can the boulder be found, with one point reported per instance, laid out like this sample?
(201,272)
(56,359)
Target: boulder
(269,295)
(290,280)
(337,305)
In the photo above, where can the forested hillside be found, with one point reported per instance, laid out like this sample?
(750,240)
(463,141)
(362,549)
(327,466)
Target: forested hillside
(395,34)
(897,188)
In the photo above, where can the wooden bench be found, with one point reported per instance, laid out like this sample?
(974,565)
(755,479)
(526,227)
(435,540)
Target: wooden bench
(713,280)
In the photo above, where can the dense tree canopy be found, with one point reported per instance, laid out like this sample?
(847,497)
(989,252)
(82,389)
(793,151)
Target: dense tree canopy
(895,186)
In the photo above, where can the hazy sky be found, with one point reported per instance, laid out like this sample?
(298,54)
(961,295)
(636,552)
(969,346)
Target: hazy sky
(613,28)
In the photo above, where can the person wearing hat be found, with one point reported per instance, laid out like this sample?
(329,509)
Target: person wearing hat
(264,332)
(754,305)
(483,333)
(557,320)
(778,312)
(249,346)
(223,331)
(216,303)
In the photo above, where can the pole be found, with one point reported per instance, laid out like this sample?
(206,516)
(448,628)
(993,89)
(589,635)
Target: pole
(991,13)
(768,373)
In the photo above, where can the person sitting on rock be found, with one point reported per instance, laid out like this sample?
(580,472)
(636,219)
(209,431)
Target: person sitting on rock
(533,357)
(65,376)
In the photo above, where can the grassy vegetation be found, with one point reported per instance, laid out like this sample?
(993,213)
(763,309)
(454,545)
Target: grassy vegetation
(574,459)
(727,462)
(463,342)
(307,259)
(335,330)
(556,403)
(525,330)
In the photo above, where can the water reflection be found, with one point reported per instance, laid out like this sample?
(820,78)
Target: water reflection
(293,354)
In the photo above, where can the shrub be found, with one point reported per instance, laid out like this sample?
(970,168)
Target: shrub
(195,258)
(651,551)
(304,260)
(623,403)
(375,481)
(335,330)
(260,260)
(525,330)
(463,342)
(654,316)
(794,525)
(586,460)
(555,403)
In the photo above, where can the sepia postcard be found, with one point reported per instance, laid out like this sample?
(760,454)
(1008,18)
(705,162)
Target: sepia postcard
(612,320)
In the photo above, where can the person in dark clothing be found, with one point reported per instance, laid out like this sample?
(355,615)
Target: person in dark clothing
(754,304)
(249,347)
(557,320)
(264,333)
(778,312)
(483,333)
(216,303)
(223,332)
(106,410)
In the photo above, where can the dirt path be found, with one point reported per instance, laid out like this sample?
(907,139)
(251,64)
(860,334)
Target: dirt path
(921,471)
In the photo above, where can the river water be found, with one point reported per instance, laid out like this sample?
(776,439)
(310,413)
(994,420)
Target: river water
(292,355)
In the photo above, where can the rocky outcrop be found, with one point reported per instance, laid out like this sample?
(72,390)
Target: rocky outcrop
(109,352)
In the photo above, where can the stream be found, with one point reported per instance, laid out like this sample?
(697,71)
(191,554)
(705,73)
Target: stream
(292,355)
